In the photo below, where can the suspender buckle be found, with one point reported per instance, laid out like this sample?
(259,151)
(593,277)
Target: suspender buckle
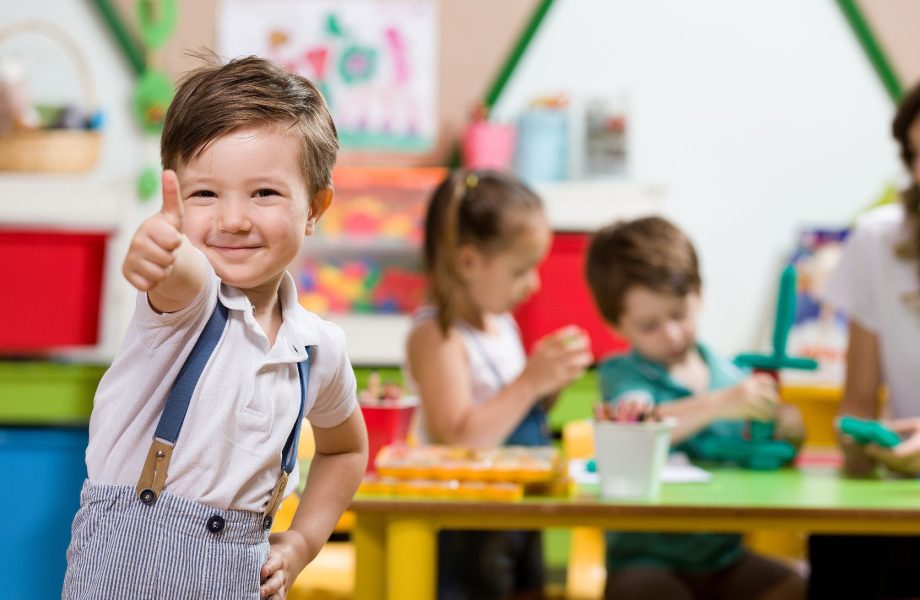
(153,476)
(275,501)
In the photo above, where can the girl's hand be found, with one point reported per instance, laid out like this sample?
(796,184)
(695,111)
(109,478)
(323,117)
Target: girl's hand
(557,359)
(905,457)
(754,398)
(287,556)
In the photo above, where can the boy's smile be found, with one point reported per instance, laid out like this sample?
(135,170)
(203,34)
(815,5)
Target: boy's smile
(247,205)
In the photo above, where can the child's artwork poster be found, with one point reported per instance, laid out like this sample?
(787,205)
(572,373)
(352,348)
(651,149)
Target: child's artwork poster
(375,62)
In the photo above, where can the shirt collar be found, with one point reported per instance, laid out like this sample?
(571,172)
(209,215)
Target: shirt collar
(658,373)
(298,329)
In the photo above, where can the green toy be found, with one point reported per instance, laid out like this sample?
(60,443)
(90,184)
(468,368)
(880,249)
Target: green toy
(757,455)
(772,363)
(865,431)
(761,451)
(785,316)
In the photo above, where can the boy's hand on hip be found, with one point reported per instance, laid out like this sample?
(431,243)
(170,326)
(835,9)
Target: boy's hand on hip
(152,252)
(287,556)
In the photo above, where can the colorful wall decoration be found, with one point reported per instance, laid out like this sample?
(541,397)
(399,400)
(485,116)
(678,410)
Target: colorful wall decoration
(365,256)
(374,61)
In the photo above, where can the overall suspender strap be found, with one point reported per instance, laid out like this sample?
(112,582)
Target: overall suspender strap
(153,475)
(289,453)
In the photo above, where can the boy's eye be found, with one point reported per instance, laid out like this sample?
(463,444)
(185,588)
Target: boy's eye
(266,192)
(203,194)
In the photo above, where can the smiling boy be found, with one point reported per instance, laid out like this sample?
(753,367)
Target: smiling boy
(194,430)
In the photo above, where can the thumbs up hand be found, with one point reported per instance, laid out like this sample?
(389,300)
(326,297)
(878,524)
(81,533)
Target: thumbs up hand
(154,248)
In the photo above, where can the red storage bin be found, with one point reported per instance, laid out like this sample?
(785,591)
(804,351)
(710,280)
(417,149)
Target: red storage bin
(385,425)
(564,298)
(54,285)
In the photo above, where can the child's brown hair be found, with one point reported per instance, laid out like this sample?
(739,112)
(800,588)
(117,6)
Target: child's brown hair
(649,252)
(482,208)
(215,99)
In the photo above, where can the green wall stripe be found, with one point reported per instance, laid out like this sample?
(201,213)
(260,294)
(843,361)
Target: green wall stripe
(872,48)
(507,70)
(123,38)
(520,47)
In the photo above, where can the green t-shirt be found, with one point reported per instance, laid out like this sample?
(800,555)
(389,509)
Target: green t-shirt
(629,375)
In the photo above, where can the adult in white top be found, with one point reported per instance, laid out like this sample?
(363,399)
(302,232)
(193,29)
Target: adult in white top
(880,294)
(877,284)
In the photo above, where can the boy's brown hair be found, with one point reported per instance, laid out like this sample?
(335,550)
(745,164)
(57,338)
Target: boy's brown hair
(215,99)
(649,252)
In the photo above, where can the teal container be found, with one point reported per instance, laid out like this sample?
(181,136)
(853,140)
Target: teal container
(43,469)
(542,148)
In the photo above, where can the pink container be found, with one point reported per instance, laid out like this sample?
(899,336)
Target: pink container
(488,146)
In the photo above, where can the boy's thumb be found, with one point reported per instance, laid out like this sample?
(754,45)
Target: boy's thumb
(172,199)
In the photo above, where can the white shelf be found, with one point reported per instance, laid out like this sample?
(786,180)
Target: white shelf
(377,340)
(585,205)
(63,202)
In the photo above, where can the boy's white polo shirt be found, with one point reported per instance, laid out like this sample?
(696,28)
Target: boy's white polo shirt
(228,454)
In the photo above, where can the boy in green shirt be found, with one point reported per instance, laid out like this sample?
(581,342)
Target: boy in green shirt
(645,279)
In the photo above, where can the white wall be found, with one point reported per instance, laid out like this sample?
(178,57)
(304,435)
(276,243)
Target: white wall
(758,118)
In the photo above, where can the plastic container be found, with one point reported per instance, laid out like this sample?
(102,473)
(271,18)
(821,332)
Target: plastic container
(542,147)
(488,145)
(564,299)
(386,425)
(630,457)
(57,277)
(43,470)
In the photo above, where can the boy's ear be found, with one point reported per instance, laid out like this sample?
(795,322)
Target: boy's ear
(319,203)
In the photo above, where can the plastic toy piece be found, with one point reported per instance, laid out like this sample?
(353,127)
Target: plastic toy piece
(785,315)
(865,431)
(766,455)
(772,363)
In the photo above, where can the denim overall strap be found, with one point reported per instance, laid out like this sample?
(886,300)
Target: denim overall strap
(289,453)
(153,475)
(533,429)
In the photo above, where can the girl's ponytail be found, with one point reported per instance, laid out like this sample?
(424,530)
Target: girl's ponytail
(441,242)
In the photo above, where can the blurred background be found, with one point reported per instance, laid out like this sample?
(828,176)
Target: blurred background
(762,129)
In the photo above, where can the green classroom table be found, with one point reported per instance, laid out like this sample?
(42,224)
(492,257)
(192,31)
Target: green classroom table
(396,539)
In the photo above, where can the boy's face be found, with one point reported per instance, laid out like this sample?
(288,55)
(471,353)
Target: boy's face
(660,327)
(247,205)
(496,283)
